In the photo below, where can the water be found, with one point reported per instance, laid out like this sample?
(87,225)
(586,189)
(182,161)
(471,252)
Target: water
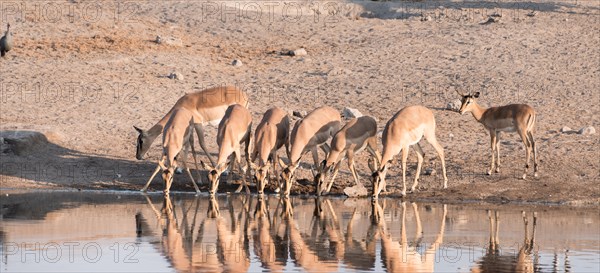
(131,232)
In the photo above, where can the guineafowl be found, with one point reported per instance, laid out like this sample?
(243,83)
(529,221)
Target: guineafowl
(6,42)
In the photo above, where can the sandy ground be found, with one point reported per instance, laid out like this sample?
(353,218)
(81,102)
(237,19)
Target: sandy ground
(84,73)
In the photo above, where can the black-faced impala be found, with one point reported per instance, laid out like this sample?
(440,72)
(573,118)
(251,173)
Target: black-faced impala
(177,132)
(356,135)
(234,130)
(308,134)
(518,118)
(403,130)
(271,134)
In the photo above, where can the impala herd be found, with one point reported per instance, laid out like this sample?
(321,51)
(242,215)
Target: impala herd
(228,107)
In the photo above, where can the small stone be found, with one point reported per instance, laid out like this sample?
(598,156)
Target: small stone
(356,191)
(176,76)
(298,52)
(351,113)
(237,62)
(565,129)
(426,18)
(158,40)
(429,171)
(587,131)
(454,105)
(451,135)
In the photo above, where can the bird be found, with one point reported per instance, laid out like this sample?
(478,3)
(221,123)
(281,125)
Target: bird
(6,42)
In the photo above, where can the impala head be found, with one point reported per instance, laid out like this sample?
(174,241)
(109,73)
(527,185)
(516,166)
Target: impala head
(143,143)
(261,174)
(320,177)
(214,175)
(467,102)
(287,175)
(378,179)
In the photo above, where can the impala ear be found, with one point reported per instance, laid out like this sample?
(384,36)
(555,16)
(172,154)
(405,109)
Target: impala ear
(476,95)
(138,129)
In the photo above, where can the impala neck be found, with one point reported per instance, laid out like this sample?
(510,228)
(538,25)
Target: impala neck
(155,130)
(477,111)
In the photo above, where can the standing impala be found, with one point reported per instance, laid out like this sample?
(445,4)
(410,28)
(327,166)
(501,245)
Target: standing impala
(508,118)
(271,134)
(311,132)
(207,106)
(234,130)
(357,134)
(407,128)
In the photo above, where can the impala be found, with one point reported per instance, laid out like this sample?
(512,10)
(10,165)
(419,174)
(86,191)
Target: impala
(398,255)
(207,106)
(357,134)
(508,118)
(271,134)
(176,133)
(234,130)
(404,129)
(308,134)
(521,261)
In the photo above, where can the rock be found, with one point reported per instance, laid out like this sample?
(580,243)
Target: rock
(532,13)
(454,105)
(587,131)
(356,191)
(338,71)
(176,76)
(430,171)
(426,18)
(172,41)
(158,40)
(451,135)
(237,62)
(351,113)
(298,52)
(22,142)
(565,129)
(490,20)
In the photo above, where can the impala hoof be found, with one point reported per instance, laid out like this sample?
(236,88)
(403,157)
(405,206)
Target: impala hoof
(497,170)
(489,172)
(403,193)
(535,175)
(524,177)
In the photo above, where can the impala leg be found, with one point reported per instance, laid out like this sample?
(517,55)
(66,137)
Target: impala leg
(190,175)
(535,162)
(336,168)
(274,160)
(315,155)
(440,151)
(497,170)
(404,158)
(200,132)
(351,167)
(420,155)
(326,149)
(525,140)
(493,146)
(372,149)
(234,164)
(145,188)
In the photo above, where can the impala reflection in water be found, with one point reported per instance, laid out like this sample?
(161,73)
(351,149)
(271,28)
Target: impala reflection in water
(119,231)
